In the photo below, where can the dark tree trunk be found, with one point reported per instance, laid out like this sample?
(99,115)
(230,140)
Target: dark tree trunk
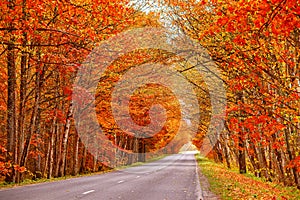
(142,151)
(11,102)
(242,157)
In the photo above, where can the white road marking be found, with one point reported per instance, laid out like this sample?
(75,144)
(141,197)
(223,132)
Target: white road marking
(138,176)
(120,181)
(88,191)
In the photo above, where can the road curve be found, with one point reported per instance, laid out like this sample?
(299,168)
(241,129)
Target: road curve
(174,177)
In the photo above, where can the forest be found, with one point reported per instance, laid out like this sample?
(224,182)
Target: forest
(255,46)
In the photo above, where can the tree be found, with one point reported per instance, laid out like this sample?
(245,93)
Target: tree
(256,45)
(42,45)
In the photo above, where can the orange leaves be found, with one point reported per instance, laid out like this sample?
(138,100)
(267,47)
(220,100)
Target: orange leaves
(256,44)
(19,169)
(3,149)
(222,21)
(153,109)
(239,40)
(5,168)
(295,163)
(258,128)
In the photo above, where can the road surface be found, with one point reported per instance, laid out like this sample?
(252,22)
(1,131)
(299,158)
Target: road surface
(174,177)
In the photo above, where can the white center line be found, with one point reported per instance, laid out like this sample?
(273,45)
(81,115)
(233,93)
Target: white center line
(88,191)
(120,181)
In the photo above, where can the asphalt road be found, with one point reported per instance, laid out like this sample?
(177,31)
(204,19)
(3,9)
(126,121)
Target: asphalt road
(172,178)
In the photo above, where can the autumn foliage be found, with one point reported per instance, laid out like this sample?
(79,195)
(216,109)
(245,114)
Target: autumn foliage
(254,43)
(42,46)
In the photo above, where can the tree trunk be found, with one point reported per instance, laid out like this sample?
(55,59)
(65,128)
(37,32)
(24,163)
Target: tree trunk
(141,150)
(226,154)
(23,79)
(58,142)
(83,161)
(279,165)
(11,101)
(241,140)
(76,150)
(51,149)
(37,149)
(242,157)
(254,159)
(32,127)
(47,157)
(65,141)
(290,155)
(263,162)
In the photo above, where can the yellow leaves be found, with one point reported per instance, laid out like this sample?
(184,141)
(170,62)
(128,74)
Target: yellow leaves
(297,119)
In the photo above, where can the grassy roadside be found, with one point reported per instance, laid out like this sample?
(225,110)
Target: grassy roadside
(4,185)
(231,185)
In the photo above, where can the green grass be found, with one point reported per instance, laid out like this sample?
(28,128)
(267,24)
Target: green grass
(230,185)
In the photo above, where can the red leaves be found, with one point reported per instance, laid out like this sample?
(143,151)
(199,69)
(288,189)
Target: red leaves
(239,40)
(259,22)
(68,92)
(222,21)
(295,164)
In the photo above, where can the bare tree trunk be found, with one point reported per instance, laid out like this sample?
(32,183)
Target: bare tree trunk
(65,141)
(23,78)
(38,136)
(253,159)
(278,163)
(241,141)
(51,150)
(47,157)
(226,139)
(130,147)
(76,150)
(32,126)
(95,159)
(58,142)
(218,151)
(263,162)
(290,155)
(226,154)
(83,161)
(242,157)
(141,150)
(11,102)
